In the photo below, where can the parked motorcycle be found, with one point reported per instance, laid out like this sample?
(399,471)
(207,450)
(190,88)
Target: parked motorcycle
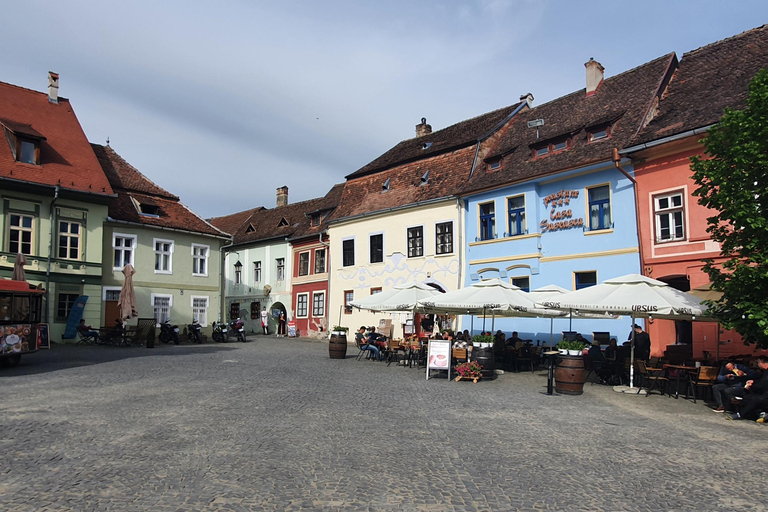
(195,332)
(169,332)
(238,328)
(219,332)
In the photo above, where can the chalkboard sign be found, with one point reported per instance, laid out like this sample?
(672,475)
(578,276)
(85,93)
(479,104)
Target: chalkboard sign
(43,336)
(439,356)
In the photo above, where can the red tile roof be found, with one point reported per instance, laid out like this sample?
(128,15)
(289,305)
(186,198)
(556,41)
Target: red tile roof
(66,158)
(133,187)
(289,221)
(707,81)
(622,100)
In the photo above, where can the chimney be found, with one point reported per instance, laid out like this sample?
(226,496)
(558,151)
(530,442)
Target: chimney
(282,196)
(53,87)
(594,75)
(528,98)
(423,128)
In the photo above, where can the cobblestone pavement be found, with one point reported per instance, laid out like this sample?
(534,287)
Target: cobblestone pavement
(274,424)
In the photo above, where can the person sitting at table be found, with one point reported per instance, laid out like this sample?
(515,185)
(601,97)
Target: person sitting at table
(499,342)
(756,397)
(730,384)
(448,335)
(361,340)
(87,331)
(611,349)
(376,339)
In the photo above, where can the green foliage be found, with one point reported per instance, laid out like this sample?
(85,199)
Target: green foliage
(571,345)
(732,181)
(339,328)
(480,338)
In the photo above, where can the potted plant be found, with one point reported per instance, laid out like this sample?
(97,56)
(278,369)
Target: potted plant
(339,330)
(469,370)
(563,347)
(577,347)
(482,341)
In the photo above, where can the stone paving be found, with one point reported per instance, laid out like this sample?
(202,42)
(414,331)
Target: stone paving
(274,424)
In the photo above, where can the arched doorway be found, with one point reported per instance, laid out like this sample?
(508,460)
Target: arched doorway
(274,314)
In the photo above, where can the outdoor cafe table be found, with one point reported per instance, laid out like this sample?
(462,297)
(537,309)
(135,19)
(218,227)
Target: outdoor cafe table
(682,370)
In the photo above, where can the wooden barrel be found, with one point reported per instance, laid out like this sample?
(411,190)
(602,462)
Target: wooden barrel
(337,347)
(484,356)
(570,375)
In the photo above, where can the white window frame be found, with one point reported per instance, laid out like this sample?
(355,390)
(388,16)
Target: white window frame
(22,229)
(197,257)
(309,261)
(278,267)
(108,289)
(153,297)
(204,319)
(322,312)
(298,304)
(257,271)
(669,212)
(383,245)
(524,223)
(69,236)
(123,250)
(157,253)
(453,237)
(325,261)
(423,241)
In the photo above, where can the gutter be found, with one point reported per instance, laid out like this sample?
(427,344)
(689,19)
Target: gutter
(58,188)
(50,251)
(666,140)
(163,228)
(393,209)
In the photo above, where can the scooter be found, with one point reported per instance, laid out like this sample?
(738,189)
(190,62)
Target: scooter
(195,332)
(237,327)
(169,332)
(219,332)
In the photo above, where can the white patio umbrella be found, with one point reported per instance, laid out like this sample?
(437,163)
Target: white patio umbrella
(402,297)
(634,295)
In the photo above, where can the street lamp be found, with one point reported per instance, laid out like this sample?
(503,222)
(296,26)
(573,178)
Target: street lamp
(238,272)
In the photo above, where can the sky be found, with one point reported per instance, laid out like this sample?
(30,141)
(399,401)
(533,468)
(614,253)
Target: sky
(223,102)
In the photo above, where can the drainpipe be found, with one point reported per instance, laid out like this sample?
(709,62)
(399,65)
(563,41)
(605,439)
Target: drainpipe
(460,247)
(223,281)
(50,252)
(328,284)
(616,162)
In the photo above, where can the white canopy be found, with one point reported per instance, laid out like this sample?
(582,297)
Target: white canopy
(402,297)
(492,295)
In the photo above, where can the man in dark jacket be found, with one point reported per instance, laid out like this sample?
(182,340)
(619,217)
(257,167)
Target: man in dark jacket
(642,344)
(756,397)
(730,384)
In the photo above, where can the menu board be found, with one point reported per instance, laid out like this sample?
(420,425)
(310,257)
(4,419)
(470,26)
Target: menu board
(43,336)
(291,329)
(439,356)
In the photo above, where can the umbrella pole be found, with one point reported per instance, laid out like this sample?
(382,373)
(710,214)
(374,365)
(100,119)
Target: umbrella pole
(552,332)
(483,319)
(493,321)
(570,319)
(632,356)
(472,325)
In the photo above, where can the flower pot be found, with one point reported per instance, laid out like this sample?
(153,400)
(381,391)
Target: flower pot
(574,352)
(563,351)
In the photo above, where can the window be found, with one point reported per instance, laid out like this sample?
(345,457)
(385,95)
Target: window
(304,263)
(416,242)
(599,133)
(314,219)
(200,310)
(238,272)
(200,260)
(28,152)
(487,221)
(494,164)
(163,252)
(374,291)
(20,235)
(318,304)
(349,296)
(257,271)
(669,217)
(302,303)
(559,146)
(376,248)
(584,279)
(64,305)
(524,283)
(516,215)
(348,252)
(599,208)
(162,307)
(319,261)
(124,246)
(280,262)
(541,151)
(551,147)
(69,240)
(444,238)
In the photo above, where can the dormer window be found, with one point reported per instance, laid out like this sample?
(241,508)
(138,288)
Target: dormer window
(314,219)
(426,145)
(599,133)
(385,186)
(559,146)
(24,141)
(283,222)
(553,146)
(29,152)
(542,151)
(250,229)
(494,164)
(149,209)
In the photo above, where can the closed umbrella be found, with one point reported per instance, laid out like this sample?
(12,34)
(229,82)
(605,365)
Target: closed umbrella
(18,268)
(127,300)
(635,295)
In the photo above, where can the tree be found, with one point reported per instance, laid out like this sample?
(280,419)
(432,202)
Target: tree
(732,180)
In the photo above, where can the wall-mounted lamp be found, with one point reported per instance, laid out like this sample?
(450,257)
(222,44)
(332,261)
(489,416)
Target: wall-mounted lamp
(181,292)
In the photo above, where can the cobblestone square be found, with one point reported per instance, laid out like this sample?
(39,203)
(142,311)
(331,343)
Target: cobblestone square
(274,424)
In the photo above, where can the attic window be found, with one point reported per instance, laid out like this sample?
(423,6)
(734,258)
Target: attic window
(424,179)
(552,146)
(494,164)
(314,219)
(149,209)
(385,186)
(28,152)
(250,229)
(541,151)
(599,133)
(24,141)
(283,222)
(426,145)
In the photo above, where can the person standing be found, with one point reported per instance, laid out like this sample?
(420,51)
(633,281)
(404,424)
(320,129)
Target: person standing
(642,344)
(281,325)
(265,320)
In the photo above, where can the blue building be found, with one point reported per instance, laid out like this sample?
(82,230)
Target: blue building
(550,202)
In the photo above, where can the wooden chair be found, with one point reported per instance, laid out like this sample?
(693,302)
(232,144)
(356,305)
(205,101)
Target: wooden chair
(458,356)
(650,378)
(393,352)
(524,357)
(706,377)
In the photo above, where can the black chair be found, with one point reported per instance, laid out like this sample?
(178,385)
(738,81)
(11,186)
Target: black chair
(650,378)
(601,369)
(524,357)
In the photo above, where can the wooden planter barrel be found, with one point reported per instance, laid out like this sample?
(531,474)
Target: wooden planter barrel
(484,357)
(570,375)
(337,347)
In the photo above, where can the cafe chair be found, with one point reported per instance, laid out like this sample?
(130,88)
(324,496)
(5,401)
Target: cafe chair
(706,377)
(650,379)
(524,357)
(458,356)
(88,339)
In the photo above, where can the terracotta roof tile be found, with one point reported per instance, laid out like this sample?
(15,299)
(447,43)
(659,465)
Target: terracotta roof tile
(66,158)
(708,80)
(131,185)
